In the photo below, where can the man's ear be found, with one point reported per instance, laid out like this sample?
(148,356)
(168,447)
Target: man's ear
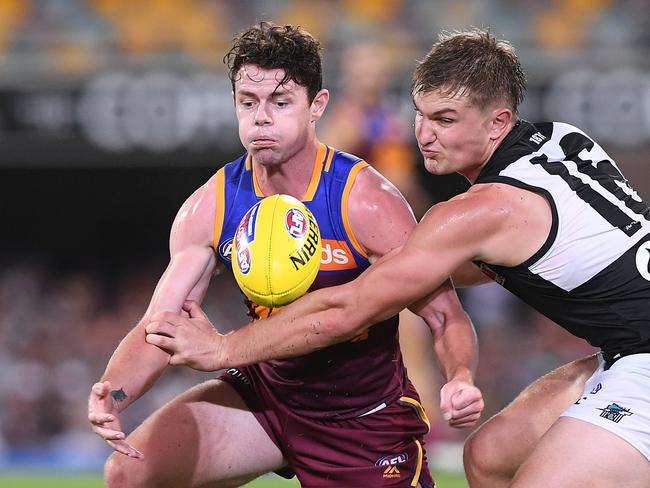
(318,105)
(501,122)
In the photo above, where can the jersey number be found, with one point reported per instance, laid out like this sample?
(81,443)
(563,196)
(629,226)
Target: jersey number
(603,173)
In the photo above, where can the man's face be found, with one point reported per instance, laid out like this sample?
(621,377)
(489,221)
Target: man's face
(274,121)
(453,135)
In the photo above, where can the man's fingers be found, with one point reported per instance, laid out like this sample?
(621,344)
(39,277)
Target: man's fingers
(194,309)
(101,389)
(125,448)
(463,407)
(109,434)
(464,423)
(468,419)
(165,316)
(466,397)
(163,328)
(161,341)
(100,418)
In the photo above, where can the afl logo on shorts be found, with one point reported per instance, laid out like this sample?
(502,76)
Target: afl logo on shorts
(643,260)
(296,223)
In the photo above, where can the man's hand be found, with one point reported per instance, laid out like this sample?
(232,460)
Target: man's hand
(191,341)
(102,414)
(461,403)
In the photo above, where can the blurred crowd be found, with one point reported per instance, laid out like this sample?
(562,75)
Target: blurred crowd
(75,37)
(58,328)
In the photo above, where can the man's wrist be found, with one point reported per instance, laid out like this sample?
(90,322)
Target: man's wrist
(221,356)
(462,374)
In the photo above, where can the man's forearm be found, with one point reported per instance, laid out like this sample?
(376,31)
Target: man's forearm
(306,326)
(134,367)
(457,351)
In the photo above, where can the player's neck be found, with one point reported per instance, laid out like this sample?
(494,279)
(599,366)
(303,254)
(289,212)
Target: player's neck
(291,177)
(473,172)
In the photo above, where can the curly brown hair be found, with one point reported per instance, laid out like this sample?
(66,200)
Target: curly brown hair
(271,46)
(472,63)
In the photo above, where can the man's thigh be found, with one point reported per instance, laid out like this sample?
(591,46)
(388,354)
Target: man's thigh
(207,434)
(503,443)
(577,454)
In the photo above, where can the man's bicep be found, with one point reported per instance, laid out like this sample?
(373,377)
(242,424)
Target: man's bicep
(193,259)
(187,277)
(380,217)
(437,246)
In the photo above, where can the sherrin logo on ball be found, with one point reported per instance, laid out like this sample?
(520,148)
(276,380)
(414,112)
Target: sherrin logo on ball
(277,248)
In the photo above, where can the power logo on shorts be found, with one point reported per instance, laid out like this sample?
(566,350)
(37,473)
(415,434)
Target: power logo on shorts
(296,223)
(614,412)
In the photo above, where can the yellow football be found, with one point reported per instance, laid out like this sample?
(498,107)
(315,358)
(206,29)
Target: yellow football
(276,251)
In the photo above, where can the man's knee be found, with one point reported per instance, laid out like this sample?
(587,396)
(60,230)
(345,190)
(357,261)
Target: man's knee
(121,471)
(477,458)
(114,471)
(486,460)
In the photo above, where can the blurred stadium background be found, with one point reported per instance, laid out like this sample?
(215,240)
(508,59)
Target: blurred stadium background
(113,111)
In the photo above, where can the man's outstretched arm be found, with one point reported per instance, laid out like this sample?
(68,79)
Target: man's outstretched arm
(331,315)
(493,223)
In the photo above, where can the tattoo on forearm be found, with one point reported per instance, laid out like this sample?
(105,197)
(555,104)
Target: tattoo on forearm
(118,395)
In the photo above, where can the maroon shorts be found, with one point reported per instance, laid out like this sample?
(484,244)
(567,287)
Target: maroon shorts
(381,449)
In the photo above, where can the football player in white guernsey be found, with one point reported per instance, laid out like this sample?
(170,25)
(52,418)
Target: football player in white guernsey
(552,219)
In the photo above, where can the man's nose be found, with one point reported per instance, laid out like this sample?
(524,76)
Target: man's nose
(425,133)
(262,115)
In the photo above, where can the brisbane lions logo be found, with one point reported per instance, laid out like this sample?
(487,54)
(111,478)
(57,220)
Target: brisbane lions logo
(296,223)
(225,250)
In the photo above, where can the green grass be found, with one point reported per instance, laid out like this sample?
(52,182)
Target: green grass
(443,480)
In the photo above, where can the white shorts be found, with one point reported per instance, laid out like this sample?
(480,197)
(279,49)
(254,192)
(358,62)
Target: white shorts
(619,400)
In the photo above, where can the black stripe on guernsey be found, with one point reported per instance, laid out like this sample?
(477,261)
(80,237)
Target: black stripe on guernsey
(586,193)
(554,223)
(603,172)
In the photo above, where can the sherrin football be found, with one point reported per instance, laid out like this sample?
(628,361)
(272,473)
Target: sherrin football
(276,251)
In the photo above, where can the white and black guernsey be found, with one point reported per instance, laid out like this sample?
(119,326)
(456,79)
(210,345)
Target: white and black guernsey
(592,275)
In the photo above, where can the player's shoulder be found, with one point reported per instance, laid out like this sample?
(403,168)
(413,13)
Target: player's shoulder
(204,198)
(373,192)
(482,204)
(197,214)
(494,206)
